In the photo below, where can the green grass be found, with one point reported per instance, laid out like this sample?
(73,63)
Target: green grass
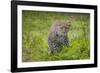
(35,29)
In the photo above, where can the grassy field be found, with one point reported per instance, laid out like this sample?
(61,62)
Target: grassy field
(35,29)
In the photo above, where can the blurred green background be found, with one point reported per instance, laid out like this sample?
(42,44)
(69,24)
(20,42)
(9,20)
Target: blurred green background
(35,29)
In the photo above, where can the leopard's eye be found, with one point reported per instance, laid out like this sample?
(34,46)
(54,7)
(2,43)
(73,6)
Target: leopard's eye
(61,27)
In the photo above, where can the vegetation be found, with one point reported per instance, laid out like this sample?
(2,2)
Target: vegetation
(35,29)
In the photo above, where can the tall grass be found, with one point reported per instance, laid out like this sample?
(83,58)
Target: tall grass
(35,29)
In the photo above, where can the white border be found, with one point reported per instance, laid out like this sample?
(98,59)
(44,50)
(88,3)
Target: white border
(53,63)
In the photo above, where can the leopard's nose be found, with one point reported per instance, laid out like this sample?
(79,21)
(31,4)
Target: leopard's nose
(63,30)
